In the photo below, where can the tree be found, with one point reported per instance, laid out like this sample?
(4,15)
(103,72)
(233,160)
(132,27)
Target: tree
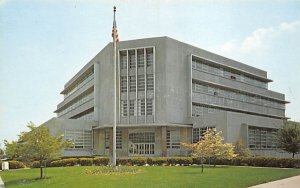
(240,149)
(37,144)
(11,150)
(211,146)
(289,137)
(1,153)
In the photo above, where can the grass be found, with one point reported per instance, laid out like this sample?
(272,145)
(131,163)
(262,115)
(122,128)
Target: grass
(156,176)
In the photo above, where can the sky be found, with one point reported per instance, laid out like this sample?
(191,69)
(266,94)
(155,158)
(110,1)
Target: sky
(43,43)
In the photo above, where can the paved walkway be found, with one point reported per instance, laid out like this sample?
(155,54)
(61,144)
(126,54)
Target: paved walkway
(293,182)
(1,183)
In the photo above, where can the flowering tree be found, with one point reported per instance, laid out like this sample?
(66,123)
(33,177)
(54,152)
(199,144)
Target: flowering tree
(240,149)
(37,144)
(211,146)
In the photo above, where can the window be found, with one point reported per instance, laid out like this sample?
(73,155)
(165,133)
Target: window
(123,61)
(119,139)
(227,73)
(149,106)
(149,59)
(141,107)
(141,143)
(173,138)
(150,82)
(81,82)
(196,135)
(123,83)
(80,100)
(132,108)
(132,63)
(141,83)
(123,108)
(86,116)
(132,83)
(106,137)
(197,110)
(81,139)
(140,58)
(262,138)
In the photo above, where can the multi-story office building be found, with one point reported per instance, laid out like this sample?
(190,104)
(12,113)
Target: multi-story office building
(168,92)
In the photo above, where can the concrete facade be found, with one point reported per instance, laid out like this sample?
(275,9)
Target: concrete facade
(168,93)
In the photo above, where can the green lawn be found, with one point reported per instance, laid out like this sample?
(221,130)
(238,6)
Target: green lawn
(187,176)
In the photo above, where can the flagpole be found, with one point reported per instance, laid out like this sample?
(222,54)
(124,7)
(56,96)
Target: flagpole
(114,158)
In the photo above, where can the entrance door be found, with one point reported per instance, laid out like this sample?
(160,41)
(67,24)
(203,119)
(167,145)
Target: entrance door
(141,144)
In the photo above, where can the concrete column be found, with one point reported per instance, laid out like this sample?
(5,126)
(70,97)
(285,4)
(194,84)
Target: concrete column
(164,141)
(96,91)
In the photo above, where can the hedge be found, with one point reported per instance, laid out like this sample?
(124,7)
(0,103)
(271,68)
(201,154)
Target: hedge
(101,161)
(140,161)
(261,162)
(15,165)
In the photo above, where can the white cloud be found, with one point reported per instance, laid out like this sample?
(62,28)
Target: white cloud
(260,38)
(2,2)
(257,39)
(289,26)
(228,46)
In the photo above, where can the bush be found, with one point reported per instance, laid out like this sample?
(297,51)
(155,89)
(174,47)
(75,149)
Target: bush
(86,161)
(139,161)
(35,164)
(16,164)
(101,161)
(65,162)
(124,161)
(160,161)
(261,162)
(179,160)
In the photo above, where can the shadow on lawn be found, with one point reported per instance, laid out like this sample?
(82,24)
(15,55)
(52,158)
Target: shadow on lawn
(20,182)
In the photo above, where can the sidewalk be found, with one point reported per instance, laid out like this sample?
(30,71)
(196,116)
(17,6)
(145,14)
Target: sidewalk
(293,182)
(1,183)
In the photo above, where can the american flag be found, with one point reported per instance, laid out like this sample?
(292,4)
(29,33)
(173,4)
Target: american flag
(115,28)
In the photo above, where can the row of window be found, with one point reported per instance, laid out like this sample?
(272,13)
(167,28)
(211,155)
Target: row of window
(240,96)
(136,58)
(137,108)
(140,86)
(198,110)
(234,105)
(81,139)
(227,73)
(83,99)
(262,138)
(88,116)
(80,83)
(198,133)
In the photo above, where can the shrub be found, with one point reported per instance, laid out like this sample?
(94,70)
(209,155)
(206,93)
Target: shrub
(65,162)
(179,160)
(35,164)
(139,161)
(261,162)
(101,161)
(86,161)
(124,161)
(160,161)
(149,161)
(16,164)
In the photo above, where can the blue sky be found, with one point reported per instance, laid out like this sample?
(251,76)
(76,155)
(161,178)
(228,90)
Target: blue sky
(44,43)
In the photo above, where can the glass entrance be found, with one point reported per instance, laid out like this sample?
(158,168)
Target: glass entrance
(141,143)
